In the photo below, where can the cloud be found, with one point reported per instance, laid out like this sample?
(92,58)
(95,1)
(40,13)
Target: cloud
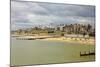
(30,14)
(70,10)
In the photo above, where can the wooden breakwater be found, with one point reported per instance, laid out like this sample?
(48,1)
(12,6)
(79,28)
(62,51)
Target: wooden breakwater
(87,53)
(25,38)
(32,37)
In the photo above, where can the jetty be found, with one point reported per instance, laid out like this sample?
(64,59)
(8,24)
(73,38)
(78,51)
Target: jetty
(87,53)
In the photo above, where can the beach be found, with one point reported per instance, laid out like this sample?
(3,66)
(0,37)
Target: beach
(82,40)
(87,41)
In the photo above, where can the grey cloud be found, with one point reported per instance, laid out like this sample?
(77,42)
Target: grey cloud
(69,10)
(28,14)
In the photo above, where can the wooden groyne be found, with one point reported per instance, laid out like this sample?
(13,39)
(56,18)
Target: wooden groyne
(87,53)
(25,38)
(32,38)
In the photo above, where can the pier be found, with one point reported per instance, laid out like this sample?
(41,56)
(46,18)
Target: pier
(87,53)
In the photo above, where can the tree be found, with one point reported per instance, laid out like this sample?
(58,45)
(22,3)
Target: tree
(92,34)
(89,27)
(84,33)
(62,34)
(19,31)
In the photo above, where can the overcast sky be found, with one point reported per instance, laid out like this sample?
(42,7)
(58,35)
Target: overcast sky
(30,14)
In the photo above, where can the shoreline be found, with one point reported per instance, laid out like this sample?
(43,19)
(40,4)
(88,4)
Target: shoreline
(85,41)
(89,41)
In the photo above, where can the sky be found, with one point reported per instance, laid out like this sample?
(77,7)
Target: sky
(31,14)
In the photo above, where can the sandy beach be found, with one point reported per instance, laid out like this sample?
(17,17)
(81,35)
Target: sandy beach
(88,41)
